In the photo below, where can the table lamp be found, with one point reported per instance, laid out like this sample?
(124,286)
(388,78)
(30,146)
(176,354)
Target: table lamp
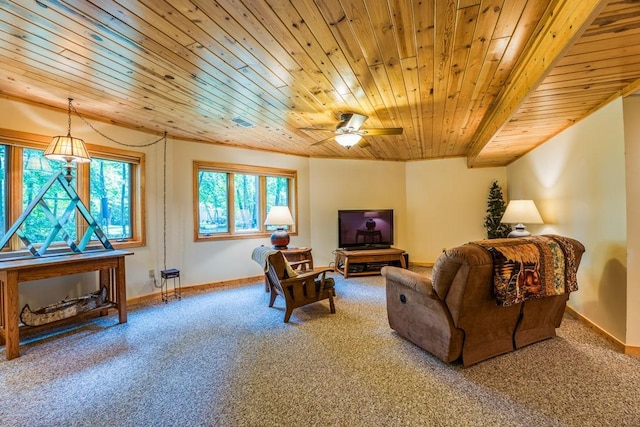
(520,212)
(371,224)
(279,216)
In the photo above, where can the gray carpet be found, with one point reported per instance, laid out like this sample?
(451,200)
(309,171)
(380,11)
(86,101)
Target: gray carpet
(224,358)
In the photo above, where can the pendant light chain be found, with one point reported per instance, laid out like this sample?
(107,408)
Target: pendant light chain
(69,117)
(107,137)
(164,171)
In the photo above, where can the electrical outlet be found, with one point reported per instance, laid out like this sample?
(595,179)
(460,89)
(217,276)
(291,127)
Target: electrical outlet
(152,274)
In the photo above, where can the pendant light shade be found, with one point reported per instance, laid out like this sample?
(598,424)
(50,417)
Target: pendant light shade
(67,148)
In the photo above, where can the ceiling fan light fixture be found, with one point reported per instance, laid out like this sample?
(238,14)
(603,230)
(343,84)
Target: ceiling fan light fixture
(348,139)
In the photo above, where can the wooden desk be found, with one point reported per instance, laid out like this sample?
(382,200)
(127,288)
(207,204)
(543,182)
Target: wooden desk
(110,264)
(367,262)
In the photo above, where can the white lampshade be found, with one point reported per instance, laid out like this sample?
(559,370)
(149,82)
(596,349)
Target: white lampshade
(279,215)
(521,212)
(348,139)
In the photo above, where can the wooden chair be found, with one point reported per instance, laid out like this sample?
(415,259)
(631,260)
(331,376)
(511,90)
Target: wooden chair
(298,289)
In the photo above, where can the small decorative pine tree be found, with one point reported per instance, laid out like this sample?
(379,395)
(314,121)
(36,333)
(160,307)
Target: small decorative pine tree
(495,210)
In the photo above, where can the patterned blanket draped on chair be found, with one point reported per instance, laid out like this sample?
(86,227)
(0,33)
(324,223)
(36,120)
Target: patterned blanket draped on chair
(532,267)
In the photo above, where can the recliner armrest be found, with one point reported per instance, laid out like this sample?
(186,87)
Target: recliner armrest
(418,282)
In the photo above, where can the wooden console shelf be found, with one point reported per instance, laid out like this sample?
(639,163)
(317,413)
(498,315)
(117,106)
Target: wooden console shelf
(367,262)
(110,265)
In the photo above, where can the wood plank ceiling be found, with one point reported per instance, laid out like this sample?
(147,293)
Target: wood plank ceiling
(488,80)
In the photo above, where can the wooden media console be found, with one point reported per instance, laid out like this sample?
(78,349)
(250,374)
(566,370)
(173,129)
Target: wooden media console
(367,262)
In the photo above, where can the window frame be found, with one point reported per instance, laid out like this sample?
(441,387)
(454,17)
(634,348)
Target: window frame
(231,169)
(15,141)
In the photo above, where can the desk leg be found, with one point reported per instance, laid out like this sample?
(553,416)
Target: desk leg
(121,290)
(11,318)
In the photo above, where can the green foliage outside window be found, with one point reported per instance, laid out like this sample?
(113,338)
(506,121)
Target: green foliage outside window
(110,189)
(247,207)
(246,202)
(36,172)
(110,197)
(3,190)
(213,194)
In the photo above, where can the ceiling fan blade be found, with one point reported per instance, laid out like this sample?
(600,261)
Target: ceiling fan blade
(352,121)
(381,131)
(319,130)
(322,141)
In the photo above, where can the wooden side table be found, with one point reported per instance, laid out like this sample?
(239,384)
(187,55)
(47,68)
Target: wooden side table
(299,258)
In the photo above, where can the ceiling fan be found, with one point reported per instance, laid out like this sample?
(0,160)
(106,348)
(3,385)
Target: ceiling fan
(348,132)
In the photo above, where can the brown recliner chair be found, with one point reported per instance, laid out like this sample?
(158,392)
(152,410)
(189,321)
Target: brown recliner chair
(298,289)
(454,313)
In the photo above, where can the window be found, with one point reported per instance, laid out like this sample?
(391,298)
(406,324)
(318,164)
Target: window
(3,190)
(110,186)
(36,174)
(110,197)
(232,201)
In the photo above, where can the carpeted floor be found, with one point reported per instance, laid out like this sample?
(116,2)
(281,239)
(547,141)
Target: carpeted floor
(224,358)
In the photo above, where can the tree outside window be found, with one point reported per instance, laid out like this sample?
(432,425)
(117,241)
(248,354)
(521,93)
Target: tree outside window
(277,194)
(246,202)
(36,172)
(3,190)
(110,187)
(213,202)
(242,193)
(110,197)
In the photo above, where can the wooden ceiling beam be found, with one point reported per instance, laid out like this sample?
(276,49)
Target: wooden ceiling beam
(561,25)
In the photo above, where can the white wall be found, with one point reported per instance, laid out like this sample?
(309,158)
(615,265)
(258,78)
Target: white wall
(216,261)
(577,180)
(352,184)
(446,205)
(632,146)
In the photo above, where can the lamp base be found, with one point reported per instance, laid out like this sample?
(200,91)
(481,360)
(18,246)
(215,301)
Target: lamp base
(519,231)
(280,239)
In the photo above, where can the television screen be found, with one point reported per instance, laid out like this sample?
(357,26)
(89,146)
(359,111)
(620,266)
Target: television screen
(365,228)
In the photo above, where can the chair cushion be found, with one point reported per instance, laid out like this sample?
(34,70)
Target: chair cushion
(329,283)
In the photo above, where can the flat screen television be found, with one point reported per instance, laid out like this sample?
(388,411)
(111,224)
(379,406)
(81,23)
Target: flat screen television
(365,228)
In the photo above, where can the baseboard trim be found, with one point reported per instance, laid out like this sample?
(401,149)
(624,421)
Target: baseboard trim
(197,288)
(619,345)
(420,264)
